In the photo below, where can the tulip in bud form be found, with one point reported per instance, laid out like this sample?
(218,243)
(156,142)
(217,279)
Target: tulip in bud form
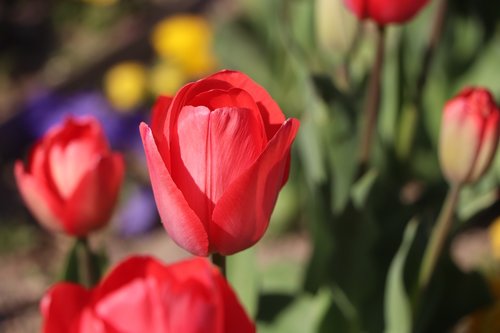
(72,178)
(469,135)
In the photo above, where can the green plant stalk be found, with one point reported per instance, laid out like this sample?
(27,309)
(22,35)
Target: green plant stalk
(438,238)
(372,104)
(89,273)
(219,260)
(413,113)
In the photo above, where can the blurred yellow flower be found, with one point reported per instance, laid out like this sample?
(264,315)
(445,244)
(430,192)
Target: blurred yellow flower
(187,41)
(165,78)
(494,232)
(125,85)
(482,321)
(487,320)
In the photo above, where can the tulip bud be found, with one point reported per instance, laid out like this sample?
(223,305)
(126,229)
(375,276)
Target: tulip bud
(385,11)
(72,179)
(469,135)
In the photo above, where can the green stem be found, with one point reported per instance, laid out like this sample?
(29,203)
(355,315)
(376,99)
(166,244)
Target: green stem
(372,104)
(436,32)
(219,260)
(414,112)
(89,274)
(439,235)
(350,54)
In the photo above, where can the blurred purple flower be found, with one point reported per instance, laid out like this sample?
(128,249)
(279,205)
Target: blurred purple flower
(46,109)
(139,213)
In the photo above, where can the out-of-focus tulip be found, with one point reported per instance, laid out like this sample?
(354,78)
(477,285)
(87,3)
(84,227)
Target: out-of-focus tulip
(335,28)
(143,295)
(218,154)
(166,78)
(469,135)
(72,179)
(185,40)
(386,11)
(125,85)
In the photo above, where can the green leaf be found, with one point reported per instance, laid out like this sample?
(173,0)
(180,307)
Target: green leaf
(71,271)
(244,279)
(362,187)
(397,310)
(342,315)
(310,148)
(303,315)
(343,160)
(452,294)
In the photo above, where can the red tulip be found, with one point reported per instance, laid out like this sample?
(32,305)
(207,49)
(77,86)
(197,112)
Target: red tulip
(385,11)
(218,154)
(469,135)
(143,295)
(72,179)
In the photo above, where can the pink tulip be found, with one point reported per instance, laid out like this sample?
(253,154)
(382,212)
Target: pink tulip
(72,179)
(141,295)
(218,154)
(469,135)
(386,11)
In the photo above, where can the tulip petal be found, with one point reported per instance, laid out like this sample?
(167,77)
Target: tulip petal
(69,162)
(180,221)
(164,121)
(459,141)
(489,143)
(194,299)
(385,11)
(133,308)
(129,269)
(242,214)
(197,292)
(62,307)
(217,98)
(46,208)
(228,316)
(211,150)
(271,113)
(37,163)
(91,204)
(158,121)
(235,317)
(131,296)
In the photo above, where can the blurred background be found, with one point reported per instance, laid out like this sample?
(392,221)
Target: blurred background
(324,263)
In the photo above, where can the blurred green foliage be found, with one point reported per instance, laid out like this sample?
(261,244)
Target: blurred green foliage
(367,229)
(315,60)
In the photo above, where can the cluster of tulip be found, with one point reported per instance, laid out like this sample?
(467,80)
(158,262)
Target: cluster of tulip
(218,154)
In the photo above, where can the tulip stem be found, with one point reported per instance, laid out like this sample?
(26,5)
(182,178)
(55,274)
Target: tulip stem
(435,35)
(438,237)
(88,272)
(219,260)
(372,104)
